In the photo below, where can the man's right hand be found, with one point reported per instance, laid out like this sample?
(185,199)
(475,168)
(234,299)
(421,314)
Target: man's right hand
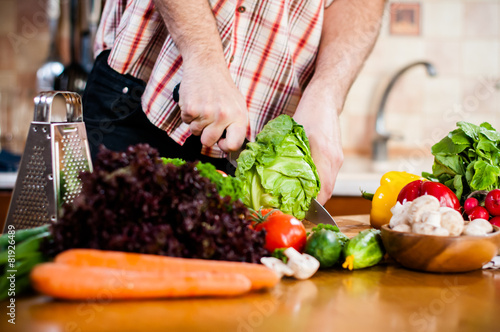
(208,98)
(210,103)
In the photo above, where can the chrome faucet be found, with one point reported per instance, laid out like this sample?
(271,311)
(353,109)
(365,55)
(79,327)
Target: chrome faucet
(379,152)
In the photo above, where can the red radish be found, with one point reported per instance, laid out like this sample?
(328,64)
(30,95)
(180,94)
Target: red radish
(479,212)
(492,202)
(469,204)
(495,221)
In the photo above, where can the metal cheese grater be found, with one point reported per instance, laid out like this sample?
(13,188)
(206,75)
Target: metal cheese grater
(55,153)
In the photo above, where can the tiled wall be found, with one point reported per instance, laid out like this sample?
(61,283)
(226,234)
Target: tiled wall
(460,37)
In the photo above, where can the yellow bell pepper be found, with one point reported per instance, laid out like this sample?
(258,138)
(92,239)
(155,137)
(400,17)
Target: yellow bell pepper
(386,196)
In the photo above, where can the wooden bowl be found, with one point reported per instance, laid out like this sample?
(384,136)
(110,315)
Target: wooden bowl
(443,254)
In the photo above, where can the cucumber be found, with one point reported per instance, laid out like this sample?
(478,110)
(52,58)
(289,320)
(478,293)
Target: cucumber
(326,245)
(364,250)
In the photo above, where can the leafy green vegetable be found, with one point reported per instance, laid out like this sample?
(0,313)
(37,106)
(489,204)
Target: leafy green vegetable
(226,185)
(467,159)
(329,227)
(280,254)
(277,170)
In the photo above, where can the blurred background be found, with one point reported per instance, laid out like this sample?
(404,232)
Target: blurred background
(461,38)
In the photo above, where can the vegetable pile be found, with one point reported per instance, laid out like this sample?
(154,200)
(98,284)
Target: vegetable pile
(134,201)
(277,170)
(468,159)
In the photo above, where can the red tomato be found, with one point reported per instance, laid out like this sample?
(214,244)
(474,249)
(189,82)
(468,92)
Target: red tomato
(282,231)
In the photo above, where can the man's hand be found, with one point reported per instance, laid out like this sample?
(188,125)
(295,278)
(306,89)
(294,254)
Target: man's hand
(349,32)
(208,98)
(318,115)
(210,103)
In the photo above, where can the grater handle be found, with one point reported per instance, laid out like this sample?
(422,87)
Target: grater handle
(43,106)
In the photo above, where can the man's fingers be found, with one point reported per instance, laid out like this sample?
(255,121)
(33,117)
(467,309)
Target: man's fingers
(211,134)
(189,115)
(235,136)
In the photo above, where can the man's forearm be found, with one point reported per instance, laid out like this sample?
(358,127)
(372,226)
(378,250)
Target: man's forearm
(193,28)
(349,32)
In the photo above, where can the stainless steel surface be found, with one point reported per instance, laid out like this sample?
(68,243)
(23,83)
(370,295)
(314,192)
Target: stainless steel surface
(381,135)
(52,68)
(55,153)
(232,156)
(318,214)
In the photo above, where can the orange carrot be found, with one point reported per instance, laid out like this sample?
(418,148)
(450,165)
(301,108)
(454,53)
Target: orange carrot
(103,283)
(259,275)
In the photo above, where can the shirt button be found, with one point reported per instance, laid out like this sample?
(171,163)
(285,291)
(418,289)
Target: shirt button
(125,90)
(241,9)
(231,59)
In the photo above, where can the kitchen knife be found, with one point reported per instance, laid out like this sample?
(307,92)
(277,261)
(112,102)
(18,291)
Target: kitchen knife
(318,214)
(232,156)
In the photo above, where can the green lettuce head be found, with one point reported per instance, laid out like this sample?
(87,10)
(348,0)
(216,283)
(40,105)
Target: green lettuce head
(277,170)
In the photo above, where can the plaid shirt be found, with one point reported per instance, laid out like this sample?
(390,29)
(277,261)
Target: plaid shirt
(270,48)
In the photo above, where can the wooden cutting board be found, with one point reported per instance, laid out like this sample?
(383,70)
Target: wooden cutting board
(349,225)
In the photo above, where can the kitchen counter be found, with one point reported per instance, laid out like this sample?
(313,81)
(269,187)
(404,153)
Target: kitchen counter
(382,298)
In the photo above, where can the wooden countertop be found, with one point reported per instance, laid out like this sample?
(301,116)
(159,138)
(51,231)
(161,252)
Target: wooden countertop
(382,298)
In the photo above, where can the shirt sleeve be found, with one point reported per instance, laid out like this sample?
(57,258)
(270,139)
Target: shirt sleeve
(328,3)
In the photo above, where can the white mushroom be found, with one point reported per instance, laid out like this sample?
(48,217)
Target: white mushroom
(432,218)
(422,204)
(402,228)
(483,224)
(441,231)
(444,209)
(474,230)
(421,228)
(400,214)
(303,265)
(452,220)
(397,208)
(277,266)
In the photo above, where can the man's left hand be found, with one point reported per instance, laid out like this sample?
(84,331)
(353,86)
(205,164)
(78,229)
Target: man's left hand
(318,114)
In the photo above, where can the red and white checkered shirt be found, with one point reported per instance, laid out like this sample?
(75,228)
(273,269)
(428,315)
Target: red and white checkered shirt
(270,48)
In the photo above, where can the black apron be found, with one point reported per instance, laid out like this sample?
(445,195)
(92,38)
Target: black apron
(113,116)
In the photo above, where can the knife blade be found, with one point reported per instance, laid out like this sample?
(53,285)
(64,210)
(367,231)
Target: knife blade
(233,155)
(318,214)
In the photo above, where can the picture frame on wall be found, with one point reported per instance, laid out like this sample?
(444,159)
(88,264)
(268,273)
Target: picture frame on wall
(405,19)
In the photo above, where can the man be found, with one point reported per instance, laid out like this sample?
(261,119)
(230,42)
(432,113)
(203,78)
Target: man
(239,64)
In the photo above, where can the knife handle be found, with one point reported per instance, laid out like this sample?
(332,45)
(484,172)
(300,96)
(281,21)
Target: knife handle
(175,93)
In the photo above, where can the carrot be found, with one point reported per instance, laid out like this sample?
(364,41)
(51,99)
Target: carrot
(91,282)
(259,275)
